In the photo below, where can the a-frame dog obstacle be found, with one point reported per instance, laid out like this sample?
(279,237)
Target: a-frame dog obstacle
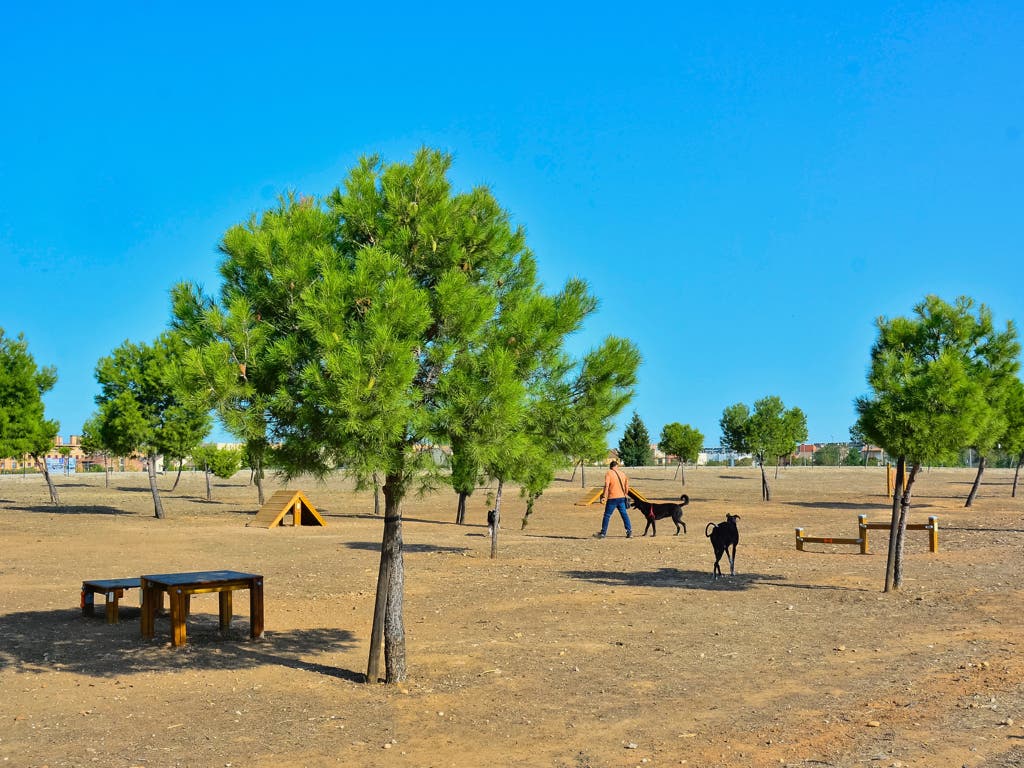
(280,504)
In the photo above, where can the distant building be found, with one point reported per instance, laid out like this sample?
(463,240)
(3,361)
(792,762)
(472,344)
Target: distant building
(723,455)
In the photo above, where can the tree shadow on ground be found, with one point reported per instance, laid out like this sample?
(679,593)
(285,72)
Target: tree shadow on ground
(374,546)
(83,509)
(673,578)
(882,504)
(65,640)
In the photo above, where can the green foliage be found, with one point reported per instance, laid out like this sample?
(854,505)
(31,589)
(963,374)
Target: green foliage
(681,440)
(827,455)
(853,457)
(1013,438)
(140,410)
(393,316)
(24,428)
(769,432)
(937,381)
(223,462)
(635,445)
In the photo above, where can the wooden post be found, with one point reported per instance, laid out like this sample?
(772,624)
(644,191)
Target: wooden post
(149,596)
(225,610)
(862,532)
(256,608)
(800,539)
(178,612)
(297,512)
(933,533)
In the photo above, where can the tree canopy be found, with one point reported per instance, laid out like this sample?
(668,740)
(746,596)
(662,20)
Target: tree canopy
(390,317)
(770,431)
(929,378)
(140,409)
(682,441)
(635,445)
(24,428)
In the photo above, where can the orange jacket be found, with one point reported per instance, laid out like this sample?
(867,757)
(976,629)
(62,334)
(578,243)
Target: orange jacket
(616,484)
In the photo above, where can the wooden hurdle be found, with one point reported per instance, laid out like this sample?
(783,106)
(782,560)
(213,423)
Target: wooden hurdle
(863,526)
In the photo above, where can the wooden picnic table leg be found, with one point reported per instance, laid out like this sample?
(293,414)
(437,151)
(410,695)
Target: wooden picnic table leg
(150,596)
(179,600)
(256,607)
(88,600)
(113,596)
(225,610)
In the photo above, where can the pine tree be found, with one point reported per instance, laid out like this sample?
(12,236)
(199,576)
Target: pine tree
(140,409)
(928,396)
(635,445)
(393,316)
(24,428)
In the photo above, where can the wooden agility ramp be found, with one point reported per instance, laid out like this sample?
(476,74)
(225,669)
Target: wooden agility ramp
(592,495)
(280,504)
(595,493)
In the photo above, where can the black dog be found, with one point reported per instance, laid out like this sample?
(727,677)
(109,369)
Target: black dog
(661,510)
(723,536)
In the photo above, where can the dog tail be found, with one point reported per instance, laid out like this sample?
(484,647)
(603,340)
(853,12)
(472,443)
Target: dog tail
(708,529)
(685,499)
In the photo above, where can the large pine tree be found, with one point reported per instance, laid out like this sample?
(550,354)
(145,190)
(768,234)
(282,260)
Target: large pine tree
(392,316)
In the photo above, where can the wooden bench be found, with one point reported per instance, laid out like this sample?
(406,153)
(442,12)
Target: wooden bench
(111,589)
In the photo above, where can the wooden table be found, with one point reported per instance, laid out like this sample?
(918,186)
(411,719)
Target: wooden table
(111,589)
(181,586)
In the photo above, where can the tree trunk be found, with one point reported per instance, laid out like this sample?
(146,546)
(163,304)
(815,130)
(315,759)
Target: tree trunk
(777,463)
(682,473)
(902,533)
(376,494)
(497,520)
(1016,474)
(678,466)
(258,477)
(982,460)
(209,492)
(766,492)
(530,499)
(54,498)
(583,478)
(894,524)
(158,507)
(574,465)
(181,463)
(388,622)
(460,511)
(106,471)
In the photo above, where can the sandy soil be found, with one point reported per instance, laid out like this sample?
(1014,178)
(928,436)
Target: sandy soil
(566,651)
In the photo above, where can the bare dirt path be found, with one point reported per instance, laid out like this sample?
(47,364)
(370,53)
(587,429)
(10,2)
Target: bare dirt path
(567,651)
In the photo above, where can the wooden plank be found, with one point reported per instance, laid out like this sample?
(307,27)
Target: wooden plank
(592,495)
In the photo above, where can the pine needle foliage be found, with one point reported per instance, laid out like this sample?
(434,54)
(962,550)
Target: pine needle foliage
(391,317)
(24,428)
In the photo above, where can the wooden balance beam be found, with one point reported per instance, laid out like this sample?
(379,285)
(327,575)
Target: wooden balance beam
(863,526)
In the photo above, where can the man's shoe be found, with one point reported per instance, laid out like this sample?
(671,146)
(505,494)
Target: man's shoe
(629,534)
(598,535)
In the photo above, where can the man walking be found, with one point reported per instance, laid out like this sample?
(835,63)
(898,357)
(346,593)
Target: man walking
(615,495)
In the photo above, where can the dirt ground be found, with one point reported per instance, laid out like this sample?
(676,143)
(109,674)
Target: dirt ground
(567,651)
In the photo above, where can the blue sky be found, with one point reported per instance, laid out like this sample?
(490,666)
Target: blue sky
(745,188)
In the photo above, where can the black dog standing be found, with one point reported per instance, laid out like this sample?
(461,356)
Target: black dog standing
(723,536)
(658,511)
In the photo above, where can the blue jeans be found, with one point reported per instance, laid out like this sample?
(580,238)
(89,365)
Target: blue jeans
(610,505)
